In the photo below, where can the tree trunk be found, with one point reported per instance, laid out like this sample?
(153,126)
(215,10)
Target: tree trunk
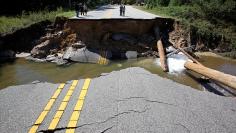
(162,56)
(221,77)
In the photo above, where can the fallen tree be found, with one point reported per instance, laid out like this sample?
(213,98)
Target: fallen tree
(225,79)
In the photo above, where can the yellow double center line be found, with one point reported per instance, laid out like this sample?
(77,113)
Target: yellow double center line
(102,59)
(78,108)
(62,107)
(46,109)
(76,112)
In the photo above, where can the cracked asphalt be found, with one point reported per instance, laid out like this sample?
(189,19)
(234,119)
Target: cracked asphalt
(129,100)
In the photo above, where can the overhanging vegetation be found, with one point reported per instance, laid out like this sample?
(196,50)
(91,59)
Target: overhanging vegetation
(211,18)
(10,24)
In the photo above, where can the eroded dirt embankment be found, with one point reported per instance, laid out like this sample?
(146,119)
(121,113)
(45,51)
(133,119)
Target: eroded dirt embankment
(120,34)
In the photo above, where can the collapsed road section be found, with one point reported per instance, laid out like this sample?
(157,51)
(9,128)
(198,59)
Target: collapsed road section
(88,40)
(119,38)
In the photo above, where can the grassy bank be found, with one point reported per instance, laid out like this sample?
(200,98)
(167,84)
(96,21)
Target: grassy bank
(192,16)
(10,24)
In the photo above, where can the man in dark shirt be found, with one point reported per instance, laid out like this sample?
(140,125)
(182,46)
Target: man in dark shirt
(121,10)
(77,10)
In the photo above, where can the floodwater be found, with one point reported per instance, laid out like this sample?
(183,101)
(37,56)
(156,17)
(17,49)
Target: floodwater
(22,71)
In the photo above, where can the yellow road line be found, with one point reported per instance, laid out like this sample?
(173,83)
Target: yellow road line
(105,58)
(100,57)
(101,54)
(62,106)
(47,108)
(100,60)
(78,108)
(108,14)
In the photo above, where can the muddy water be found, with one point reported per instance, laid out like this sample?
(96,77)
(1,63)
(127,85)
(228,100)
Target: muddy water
(22,71)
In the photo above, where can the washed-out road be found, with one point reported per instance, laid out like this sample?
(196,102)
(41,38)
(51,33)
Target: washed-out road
(126,101)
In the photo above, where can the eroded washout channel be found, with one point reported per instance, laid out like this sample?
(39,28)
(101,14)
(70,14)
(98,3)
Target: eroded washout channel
(73,49)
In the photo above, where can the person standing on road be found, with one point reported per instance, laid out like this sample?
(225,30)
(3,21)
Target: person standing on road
(77,10)
(82,9)
(123,11)
(85,9)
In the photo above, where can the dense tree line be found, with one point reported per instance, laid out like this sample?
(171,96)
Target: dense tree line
(15,7)
(218,9)
(211,9)
(211,20)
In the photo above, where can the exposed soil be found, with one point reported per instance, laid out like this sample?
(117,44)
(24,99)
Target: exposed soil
(135,34)
(115,35)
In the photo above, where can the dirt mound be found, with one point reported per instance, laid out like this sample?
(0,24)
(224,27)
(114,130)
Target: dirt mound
(53,43)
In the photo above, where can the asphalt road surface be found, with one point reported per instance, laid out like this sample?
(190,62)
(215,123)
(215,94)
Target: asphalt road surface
(113,11)
(130,100)
(126,101)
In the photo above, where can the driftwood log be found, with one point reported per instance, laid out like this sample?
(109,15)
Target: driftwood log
(225,79)
(162,56)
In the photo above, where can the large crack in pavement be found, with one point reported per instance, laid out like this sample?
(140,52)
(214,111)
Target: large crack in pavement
(161,102)
(109,128)
(179,124)
(144,99)
(97,123)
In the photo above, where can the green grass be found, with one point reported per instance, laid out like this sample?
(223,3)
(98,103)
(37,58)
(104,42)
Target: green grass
(192,16)
(11,24)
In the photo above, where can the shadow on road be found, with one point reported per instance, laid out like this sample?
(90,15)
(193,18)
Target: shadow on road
(213,86)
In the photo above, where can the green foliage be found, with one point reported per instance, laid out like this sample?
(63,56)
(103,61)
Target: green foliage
(180,2)
(154,3)
(14,7)
(94,3)
(211,18)
(218,9)
(163,2)
(10,24)
(129,1)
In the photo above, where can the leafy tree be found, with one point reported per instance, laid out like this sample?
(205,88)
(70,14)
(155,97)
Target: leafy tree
(154,3)
(175,2)
(218,9)
(163,2)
